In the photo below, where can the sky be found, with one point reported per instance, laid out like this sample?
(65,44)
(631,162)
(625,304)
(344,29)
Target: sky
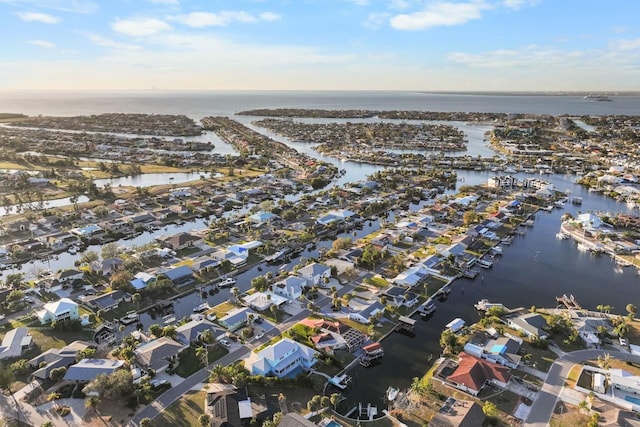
(425,45)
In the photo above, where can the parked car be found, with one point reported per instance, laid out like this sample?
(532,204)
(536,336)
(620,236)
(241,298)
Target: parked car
(623,342)
(229,281)
(260,335)
(225,343)
(155,383)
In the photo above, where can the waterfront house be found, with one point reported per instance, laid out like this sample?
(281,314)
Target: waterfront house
(158,354)
(262,217)
(335,216)
(244,249)
(142,279)
(88,369)
(14,343)
(232,258)
(236,318)
(458,413)
(400,297)
(88,232)
(341,335)
(530,324)
(412,276)
(63,309)
(290,287)
(108,266)
(472,374)
(191,331)
(203,264)
(182,241)
(502,350)
(61,241)
(68,276)
(315,274)
(262,301)
(362,311)
(107,301)
(179,276)
(281,359)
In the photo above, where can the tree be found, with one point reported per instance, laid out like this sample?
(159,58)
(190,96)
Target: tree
(470,217)
(53,397)
(335,399)
(204,420)
(145,422)
(136,298)
(203,356)
(88,257)
(490,409)
(169,331)
(235,292)
(632,310)
(57,374)
(155,330)
(449,341)
(47,424)
(110,250)
(7,378)
(604,361)
(274,310)
(91,402)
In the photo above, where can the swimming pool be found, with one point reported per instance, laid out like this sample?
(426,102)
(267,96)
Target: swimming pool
(632,399)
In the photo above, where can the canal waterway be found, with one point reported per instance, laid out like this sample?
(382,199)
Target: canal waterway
(533,270)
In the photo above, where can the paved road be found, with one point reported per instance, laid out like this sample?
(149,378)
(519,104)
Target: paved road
(542,408)
(174,393)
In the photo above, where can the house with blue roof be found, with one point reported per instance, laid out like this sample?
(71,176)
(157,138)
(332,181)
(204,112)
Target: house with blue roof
(335,216)
(180,276)
(502,350)
(142,279)
(263,217)
(88,369)
(236,318)
(88,232)
(282,359)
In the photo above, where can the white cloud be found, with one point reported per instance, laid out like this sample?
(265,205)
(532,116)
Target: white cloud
(38,17)
(358,2)
(105,42)
(139,26)
(626,45)
(398,4)
(517,4)
(166,2)
(42,43)
(376,20)
(221,19)
(75,6)
(440,14)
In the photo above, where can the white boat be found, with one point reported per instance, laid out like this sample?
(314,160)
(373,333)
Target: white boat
(392,393)
(427,308)
(169,319)
(484,263)
(510,169)
(583,247)
(229,281)
(484,305)
(340,381)
(561,236)
(496,250)
(73,249)
(128,318)
(201,307)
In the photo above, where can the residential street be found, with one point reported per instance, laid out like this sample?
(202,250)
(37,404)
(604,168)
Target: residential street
(542,408)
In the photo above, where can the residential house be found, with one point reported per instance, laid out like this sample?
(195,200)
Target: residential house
(61,241)
(281,359)
(68,276)
(14,343)
(262,301)
(362,311)
(203,264)
(341,335)
(260,218)
(107,301)
(142,279)
(63,309)
(236,318)
(180,276)
(191,331)
(109,266)
(412,276)
(502,350)
(336,216)
(54,358)
(158,354)
(88,369)
(228,406)
(293,419)
(290,288)
(400,297)
(88,232)
(472,374)
(315,274)
(182,241)
(530,324)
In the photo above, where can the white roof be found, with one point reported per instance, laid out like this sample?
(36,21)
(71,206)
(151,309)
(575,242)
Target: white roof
(244,407)
(61,306)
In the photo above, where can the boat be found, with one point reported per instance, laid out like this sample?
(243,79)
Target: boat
(484,263)
(168,319)
(129,318)
(276,256)
(561,236)
(283,267)
(506,240)
(470,273)
(201,307)
(583,246)
(229,281)
(392,393)
(484,305)
(427,308)
(340,381)
(597,97)
(73,250)
(496,250)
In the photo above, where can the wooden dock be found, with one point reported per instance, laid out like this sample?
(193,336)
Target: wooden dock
(568,302)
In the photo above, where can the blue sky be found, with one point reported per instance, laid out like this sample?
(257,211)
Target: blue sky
(477,45)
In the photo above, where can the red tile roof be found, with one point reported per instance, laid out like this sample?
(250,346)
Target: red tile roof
(473,372)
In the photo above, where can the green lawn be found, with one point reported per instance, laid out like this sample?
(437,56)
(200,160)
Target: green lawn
(189,364)
(184,412)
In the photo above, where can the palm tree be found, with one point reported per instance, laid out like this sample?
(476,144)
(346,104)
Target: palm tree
(335,399)
(145,422)
(91,402)
(53,397)
(7,378)
(136,298)
(204,420)
(274,311)
(202,354)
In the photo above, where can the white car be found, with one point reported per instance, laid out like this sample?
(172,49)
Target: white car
(260,335)
(157,383)
(225,343)
(623,342)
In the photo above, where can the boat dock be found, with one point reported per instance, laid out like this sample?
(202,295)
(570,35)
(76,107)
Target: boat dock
(569,302)
(406,324)
(372,352)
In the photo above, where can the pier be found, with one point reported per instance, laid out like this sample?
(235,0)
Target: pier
(569,302)
(406,324)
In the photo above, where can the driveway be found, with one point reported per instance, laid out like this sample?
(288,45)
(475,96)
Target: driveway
(552,388)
